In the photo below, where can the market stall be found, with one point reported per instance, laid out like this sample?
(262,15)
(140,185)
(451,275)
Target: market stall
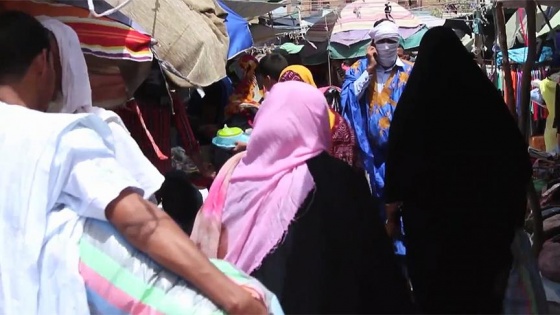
(541,194)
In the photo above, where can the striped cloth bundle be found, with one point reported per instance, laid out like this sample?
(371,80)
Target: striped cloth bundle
(100,37)
(121,280)
(525,292)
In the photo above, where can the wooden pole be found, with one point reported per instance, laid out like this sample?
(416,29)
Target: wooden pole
(531,12)
(502,41)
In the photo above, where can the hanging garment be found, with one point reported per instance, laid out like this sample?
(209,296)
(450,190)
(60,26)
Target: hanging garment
(548,91)
(150,126)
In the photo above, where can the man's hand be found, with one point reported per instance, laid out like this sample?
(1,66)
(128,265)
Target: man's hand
(207,170)
(371,54)
(246,304)
(239,147)
(152,231)
(392,226)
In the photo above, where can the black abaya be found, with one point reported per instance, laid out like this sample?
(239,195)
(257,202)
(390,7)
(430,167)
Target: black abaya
(460,166)
(336,257)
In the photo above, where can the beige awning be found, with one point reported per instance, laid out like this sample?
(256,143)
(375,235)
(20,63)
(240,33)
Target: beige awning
(192,41)
(250,9)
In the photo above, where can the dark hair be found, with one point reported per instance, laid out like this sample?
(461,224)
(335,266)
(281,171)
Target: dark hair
(272,65)
(282,52)
(333,99)
(22,38)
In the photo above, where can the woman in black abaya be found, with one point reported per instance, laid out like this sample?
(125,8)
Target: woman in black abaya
(459,166)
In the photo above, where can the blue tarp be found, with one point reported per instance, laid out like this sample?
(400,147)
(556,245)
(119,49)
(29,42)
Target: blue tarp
(239,34)
(519,55)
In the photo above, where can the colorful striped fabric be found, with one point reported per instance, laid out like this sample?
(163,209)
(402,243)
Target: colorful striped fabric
(360,15)
(352,24)
(121,280)
(101,37)
(525,292)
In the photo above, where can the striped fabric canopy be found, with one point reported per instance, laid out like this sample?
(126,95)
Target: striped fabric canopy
(360,15)
(352,24)
(118,56)
(100,37)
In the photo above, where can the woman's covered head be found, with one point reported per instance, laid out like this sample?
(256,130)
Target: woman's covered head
(297,73)
(441,51)
(292,122)
(445,87)
(445,76)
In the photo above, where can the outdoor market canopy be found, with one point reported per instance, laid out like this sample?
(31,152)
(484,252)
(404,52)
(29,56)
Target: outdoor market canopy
(240,38)
(554,22)
(521,3)
(250,9)
(353,23)
(118,54)
(192,41)
(516,26)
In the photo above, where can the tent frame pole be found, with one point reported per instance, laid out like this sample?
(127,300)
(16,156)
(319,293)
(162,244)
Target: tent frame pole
(532,196)
(502,41)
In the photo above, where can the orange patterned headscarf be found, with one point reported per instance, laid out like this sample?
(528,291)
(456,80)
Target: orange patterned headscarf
(247,90)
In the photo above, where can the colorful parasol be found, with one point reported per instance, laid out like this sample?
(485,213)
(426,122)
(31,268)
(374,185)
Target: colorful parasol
(118,55)
(353,23)
(101,37)
(357,19)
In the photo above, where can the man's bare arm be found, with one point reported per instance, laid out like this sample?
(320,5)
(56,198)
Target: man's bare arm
(152,231)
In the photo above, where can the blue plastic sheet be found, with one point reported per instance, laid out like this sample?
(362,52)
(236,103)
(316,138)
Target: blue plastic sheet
(519,55)
(240,37)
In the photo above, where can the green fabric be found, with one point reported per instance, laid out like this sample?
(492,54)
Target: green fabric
(124,280)
(291,48)
(413,41)
(339,51)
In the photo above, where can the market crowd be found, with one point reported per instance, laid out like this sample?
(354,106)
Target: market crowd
(382,196)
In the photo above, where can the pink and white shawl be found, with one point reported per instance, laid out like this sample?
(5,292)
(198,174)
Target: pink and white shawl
(257,193)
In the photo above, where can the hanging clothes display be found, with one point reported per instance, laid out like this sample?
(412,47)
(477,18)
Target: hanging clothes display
(150,126)
(538,113)
(548,89)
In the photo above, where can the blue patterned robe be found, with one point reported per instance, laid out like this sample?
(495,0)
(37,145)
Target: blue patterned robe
(371,116)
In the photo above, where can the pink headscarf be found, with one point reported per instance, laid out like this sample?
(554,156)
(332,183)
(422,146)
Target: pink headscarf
(270,181)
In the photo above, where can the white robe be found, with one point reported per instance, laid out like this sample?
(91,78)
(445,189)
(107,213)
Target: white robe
(77,98)
(50,161)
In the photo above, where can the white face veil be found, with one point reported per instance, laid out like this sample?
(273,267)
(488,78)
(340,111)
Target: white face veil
(386,52)
(76,88)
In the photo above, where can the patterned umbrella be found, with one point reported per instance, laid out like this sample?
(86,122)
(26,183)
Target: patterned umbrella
(353,23)
(118,55)
(101,37)
(357,19)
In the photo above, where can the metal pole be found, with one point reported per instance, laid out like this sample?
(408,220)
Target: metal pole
(328,50)
(502,41)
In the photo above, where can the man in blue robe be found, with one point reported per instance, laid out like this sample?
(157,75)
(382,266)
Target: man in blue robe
(371,90)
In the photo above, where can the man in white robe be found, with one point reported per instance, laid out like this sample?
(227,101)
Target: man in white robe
(75,97)
(52,161)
